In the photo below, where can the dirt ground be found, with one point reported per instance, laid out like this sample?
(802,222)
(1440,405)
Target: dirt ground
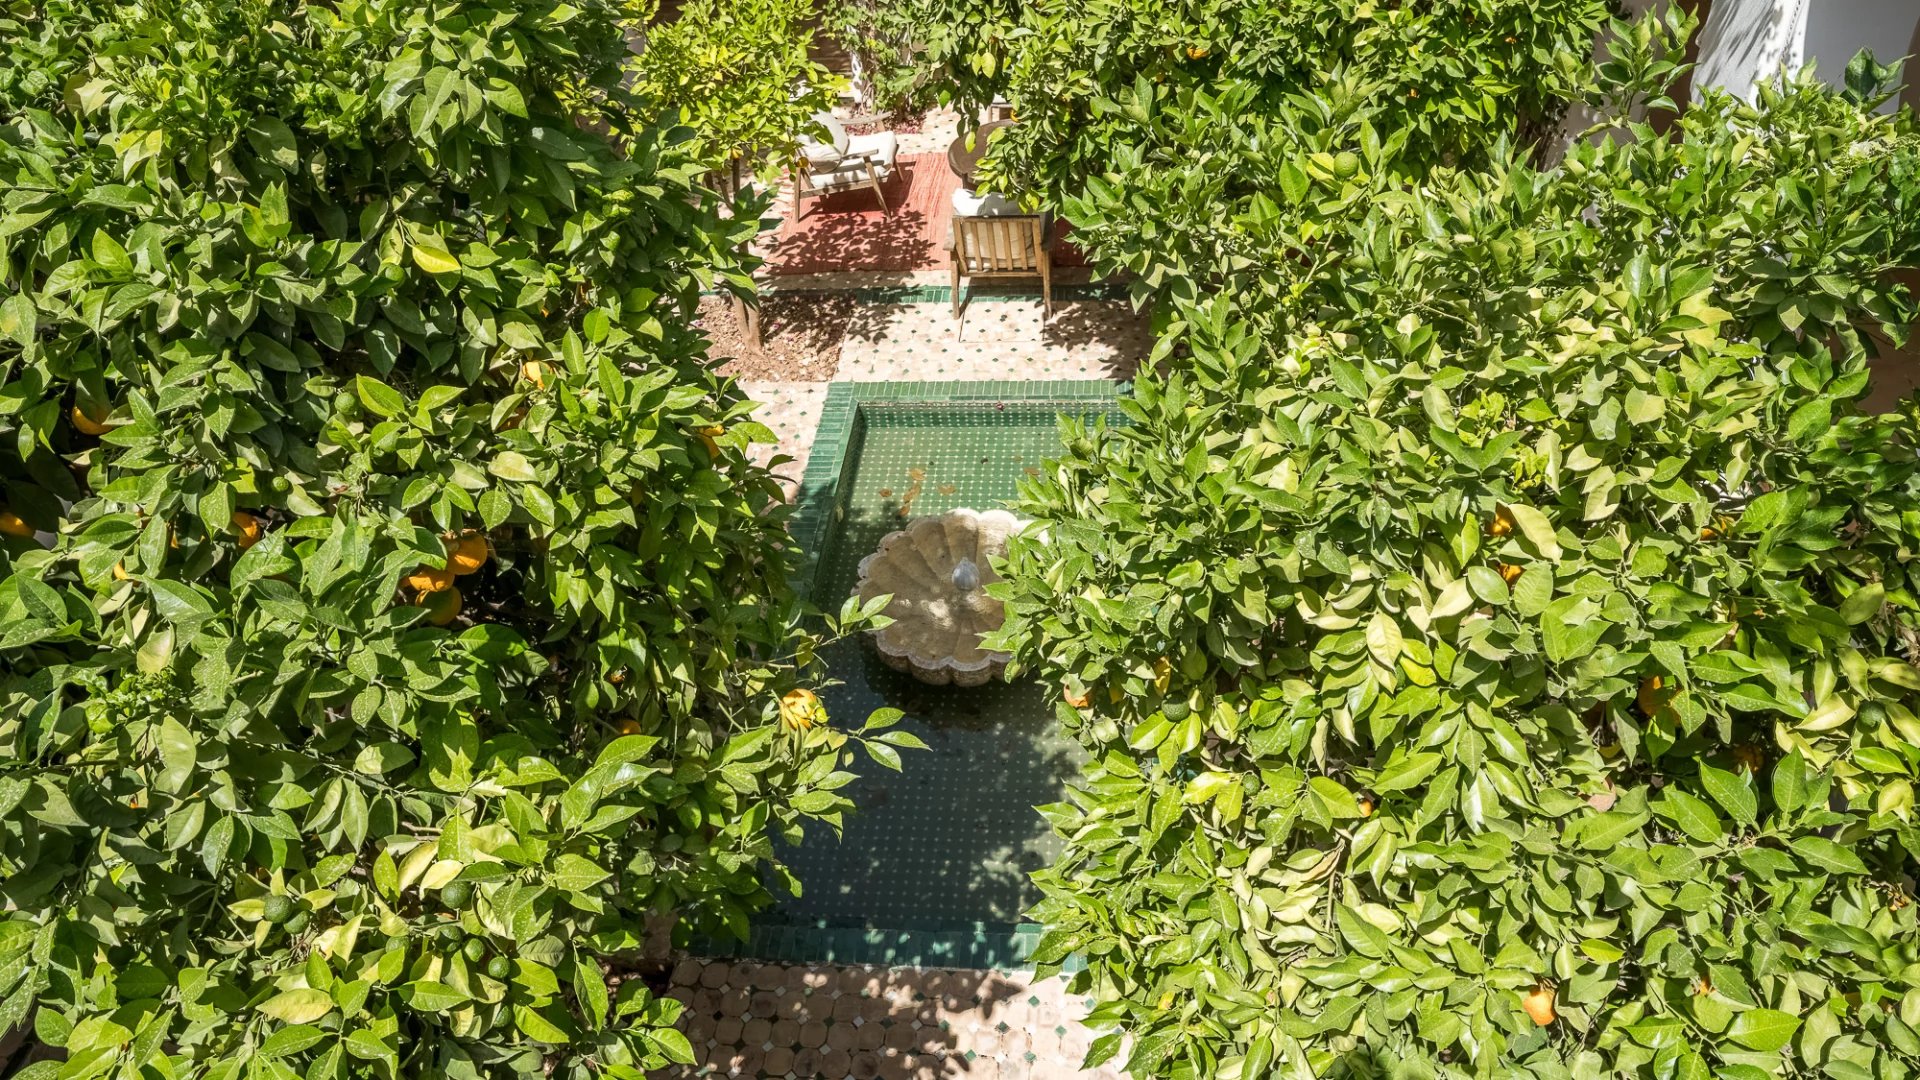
(801,337)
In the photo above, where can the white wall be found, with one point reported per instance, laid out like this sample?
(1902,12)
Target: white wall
(1749,41)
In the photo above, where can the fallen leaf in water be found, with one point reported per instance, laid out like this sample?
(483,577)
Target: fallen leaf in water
(948,489)
(886,493)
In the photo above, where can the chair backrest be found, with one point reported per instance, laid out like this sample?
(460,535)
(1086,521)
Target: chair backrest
(1009,244)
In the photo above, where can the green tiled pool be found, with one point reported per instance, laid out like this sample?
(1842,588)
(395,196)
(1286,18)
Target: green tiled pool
(934,865)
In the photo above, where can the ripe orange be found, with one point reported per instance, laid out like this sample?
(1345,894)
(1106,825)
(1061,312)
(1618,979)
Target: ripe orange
(442,607)
(707,436)
(1197,52)
(1366,806)
(247,528)
(799,709)
(1538,1003)
(1502,523)
(467,553)
(89,425)
(426,579)
(12,524)
(1076,698)
(1653,695)
(534,372)
(628,726)
(1510,573)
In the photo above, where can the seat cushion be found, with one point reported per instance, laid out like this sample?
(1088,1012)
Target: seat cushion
(853,172)
(882,146)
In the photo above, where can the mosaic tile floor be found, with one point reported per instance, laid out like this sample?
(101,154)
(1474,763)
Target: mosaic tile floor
(792,410)
(777,1021)
(999,338)
(948,842)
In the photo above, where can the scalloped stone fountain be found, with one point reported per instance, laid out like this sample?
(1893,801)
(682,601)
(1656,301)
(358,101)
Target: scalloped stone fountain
(937,570)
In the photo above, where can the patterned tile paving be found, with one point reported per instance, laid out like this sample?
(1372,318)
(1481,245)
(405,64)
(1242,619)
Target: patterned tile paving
(779,1021)
(1004,339)
(792,410)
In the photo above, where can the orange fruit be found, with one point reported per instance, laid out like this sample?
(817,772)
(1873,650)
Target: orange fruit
(89,425)
(120,571)
(1510,573)
(1502,523)
(534,372)
(1076,698)
(707,435)
(1366,806)
(1653,695)
(1538,1002)
(247,528)
(467,553)
(13,525)
(799,709)
(628,726)
(1197,52)
(426,579)
(442,606)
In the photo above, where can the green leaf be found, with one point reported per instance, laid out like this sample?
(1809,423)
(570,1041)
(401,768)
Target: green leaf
(427,996)
(1693,816)
(1383,638)
(1538,530)
(379,398)
(1790,783)
(433,257)
(1827,856)
(1732,793)
(576,873)
(1765,1030)
(513,465)
(298,1006)
(1864,604)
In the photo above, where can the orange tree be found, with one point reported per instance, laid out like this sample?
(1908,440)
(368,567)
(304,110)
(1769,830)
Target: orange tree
(391,619)
(1495,633)
(737,74)
(1168,133)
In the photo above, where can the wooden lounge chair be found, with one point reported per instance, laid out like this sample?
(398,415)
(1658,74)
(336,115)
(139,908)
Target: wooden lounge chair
(845,163)
(1010,247)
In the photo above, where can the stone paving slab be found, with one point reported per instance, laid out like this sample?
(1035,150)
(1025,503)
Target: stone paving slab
(793,1022)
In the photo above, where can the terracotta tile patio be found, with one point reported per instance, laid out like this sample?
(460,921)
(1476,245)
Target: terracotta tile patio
(777,1021)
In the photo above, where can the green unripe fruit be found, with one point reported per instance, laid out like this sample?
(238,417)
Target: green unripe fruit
(475,950)
(277,909)
(1176,711)
(455,894)
(499,967)
(298,924)
(1346,164)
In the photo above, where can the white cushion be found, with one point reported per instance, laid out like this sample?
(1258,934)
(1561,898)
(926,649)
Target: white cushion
(881,146)
(992,204)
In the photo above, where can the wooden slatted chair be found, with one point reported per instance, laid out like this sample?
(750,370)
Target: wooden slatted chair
(1010,247)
